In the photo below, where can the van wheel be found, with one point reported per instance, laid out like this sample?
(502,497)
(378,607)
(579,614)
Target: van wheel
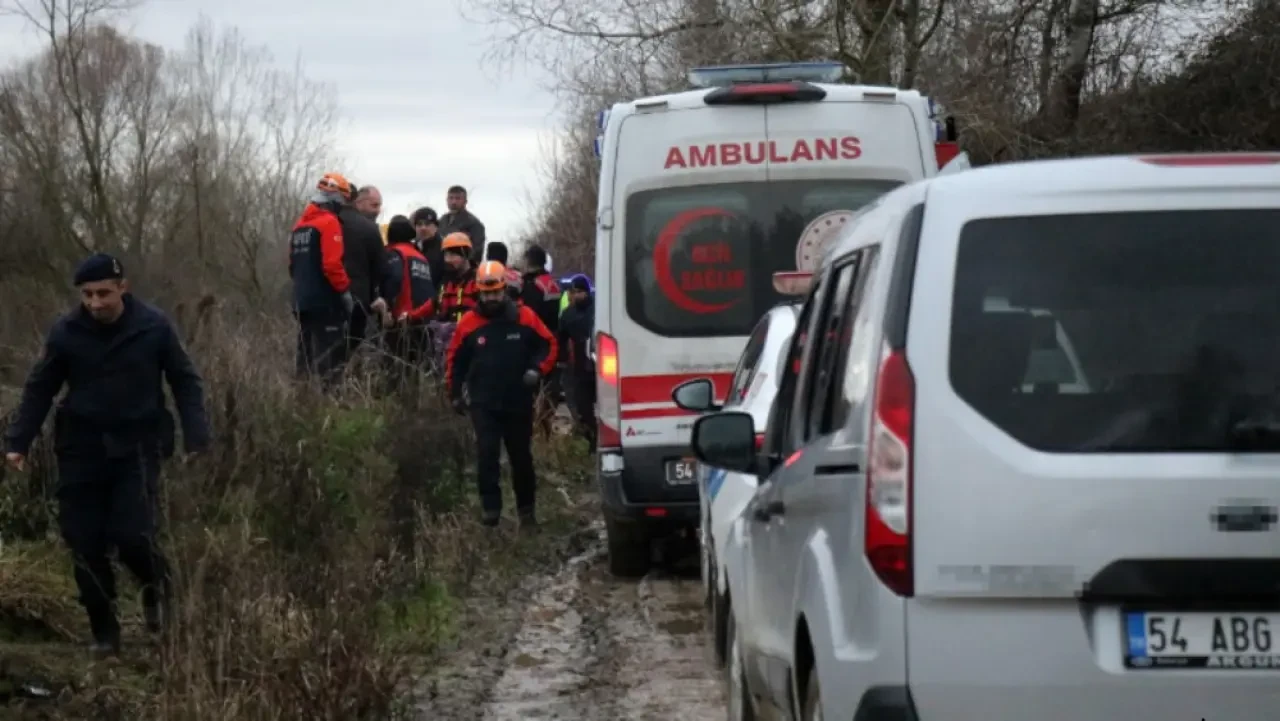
(739,707)
(629,549)
(812,710)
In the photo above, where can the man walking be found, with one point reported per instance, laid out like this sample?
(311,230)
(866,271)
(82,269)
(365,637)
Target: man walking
(112,429)
(460,220)
(362,256)
(498,355)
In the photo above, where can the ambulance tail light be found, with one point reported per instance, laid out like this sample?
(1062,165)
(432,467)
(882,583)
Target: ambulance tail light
(608,391)
(759,442)
(889,468)
(792,283)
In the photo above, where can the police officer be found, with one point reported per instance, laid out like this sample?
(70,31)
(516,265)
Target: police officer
(111,431)
(577,324)
(498,355)
(322,295)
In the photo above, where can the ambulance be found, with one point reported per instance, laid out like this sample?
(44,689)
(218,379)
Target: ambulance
(704,196)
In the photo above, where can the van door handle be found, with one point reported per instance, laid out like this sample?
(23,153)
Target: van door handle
(769,510)
(842,469)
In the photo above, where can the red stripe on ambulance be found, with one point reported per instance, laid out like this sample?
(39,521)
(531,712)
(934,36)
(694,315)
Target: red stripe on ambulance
(803,150)
(657,388)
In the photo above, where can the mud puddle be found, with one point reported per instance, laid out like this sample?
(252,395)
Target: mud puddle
(588,647)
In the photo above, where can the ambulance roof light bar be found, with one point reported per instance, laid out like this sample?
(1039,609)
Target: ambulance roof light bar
(713,76)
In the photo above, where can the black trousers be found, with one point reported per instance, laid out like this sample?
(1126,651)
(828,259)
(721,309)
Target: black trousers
(357,327)
(106,503)
(513,429)
(322,344)
(582,401)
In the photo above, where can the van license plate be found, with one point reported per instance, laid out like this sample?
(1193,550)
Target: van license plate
(1235,641)
(682,472)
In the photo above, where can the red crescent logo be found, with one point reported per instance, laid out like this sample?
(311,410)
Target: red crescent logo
(662,261)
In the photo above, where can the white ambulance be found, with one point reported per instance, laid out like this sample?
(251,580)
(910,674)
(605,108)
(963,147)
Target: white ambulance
(704,195)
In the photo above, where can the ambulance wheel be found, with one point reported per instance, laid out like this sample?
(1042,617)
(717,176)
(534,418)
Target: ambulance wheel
(629,549)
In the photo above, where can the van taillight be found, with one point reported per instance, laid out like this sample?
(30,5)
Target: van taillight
(608,392)
(888,522)
(759,442)
(607,359)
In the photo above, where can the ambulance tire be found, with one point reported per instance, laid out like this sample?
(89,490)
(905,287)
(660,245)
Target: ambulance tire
(630,550)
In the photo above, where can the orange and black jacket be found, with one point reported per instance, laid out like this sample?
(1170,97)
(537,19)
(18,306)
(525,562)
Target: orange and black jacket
(406,281)
(542,294)
(490,356)
(455,297)
(315,261)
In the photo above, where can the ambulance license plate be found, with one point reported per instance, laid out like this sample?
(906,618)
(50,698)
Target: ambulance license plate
(682,471)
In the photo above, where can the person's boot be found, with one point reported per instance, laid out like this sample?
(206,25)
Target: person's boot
(491,518)
(528,521)
(106,632)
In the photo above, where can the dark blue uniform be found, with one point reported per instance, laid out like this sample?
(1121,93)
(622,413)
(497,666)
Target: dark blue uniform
(111,430)
(577,325)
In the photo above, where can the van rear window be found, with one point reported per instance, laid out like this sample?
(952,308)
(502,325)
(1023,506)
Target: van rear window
(1138,331)
(700,259)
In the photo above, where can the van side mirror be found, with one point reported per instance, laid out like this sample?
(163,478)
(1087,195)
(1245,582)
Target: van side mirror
(697,395)
(726,440)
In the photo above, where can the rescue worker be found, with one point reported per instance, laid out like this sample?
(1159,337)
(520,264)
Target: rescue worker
(426,226)
(461,220)
(322,296)
(541,292)
(456,294)
(497,357)
(112,430)
(577,326)
(456,291)
(542,295)
(362,257)
(406,285)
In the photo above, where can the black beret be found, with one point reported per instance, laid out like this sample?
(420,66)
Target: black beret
(98,266)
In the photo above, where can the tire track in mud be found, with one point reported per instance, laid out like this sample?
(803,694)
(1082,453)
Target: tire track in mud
(594,648)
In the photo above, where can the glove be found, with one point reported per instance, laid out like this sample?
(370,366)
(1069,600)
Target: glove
(531,377)
(348,303)
(459,406)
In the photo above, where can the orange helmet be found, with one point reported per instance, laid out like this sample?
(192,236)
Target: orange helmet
(491,275)
(335,183)
(456,241)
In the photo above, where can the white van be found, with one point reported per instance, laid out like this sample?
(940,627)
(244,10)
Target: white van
(703,196)
(1025,463)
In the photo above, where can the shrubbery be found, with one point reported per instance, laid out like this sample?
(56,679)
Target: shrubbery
(320,547)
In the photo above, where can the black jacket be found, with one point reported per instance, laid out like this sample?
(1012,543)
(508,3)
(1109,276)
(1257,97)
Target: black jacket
(576,326)
(361,254)
(490,356)
(114,399)
(542,294)
(435,257)
(464,221)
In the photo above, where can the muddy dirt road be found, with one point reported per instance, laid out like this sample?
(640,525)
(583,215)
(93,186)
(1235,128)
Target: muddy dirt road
(587,647)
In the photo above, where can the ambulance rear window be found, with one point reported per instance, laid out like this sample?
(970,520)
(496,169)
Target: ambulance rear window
(700,260)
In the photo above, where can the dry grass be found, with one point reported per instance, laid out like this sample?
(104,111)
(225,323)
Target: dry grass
(321,550)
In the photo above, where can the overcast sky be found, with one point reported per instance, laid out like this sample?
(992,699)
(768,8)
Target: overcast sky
(422,115)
